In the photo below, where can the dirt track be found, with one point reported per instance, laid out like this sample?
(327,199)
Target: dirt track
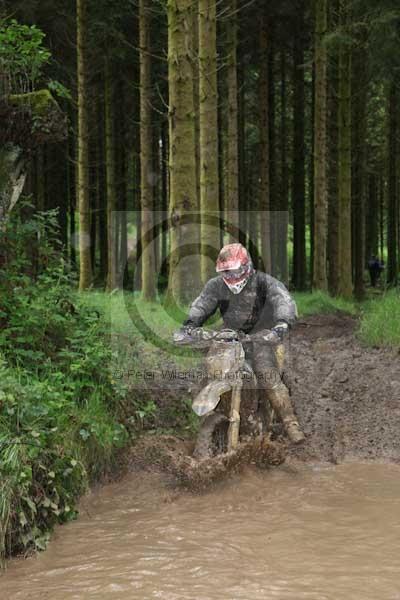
(347,397)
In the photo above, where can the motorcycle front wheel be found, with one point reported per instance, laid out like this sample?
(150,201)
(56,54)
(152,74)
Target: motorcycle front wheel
(212,438)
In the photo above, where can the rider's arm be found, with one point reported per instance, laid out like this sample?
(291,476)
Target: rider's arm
(283,306)
(205,305)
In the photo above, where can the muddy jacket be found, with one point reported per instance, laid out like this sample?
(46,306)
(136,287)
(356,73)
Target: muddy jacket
(262,302)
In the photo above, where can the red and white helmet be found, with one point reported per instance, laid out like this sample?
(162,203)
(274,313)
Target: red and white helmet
(235,266)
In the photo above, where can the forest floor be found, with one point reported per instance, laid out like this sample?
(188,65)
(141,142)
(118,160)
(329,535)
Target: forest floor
(346,396)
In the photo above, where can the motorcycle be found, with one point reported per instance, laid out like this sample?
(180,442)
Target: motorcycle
(231,411)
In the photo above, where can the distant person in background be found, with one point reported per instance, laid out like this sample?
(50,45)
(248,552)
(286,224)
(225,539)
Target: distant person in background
(375,268)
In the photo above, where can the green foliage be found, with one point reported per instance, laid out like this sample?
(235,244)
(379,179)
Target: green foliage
(148,349)
(338,39)
(22,53)
(322,303)
(59,90)
(381,21)
(59,411)
(380,322)
(63,414)
(23,58)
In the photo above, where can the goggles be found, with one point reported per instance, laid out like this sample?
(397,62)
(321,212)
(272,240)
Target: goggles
(234,274)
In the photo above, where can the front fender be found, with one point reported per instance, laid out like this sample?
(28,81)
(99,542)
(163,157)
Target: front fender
(208,399)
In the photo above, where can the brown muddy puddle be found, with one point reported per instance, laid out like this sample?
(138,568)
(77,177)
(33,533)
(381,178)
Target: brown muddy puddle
(314,532)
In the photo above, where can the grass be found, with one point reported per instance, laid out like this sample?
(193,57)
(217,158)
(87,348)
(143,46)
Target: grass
(145,357)
(130,316)
(150,325)
(322,303)
(380,321)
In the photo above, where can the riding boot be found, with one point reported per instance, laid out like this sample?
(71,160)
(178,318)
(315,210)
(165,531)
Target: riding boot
(280,401)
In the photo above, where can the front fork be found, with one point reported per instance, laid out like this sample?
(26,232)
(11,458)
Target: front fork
(234,417)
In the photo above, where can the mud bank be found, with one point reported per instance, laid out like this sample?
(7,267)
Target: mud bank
(347,396)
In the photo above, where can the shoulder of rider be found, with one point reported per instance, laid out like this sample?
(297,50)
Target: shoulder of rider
(206,303)
(277,293)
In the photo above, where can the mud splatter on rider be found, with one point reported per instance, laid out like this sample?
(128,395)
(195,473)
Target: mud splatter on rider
(250,301)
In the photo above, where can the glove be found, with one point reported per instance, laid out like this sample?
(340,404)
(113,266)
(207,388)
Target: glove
(187,329)
(281,329)
(182,333)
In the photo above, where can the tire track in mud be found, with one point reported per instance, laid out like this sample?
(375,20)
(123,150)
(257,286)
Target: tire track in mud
(347,396)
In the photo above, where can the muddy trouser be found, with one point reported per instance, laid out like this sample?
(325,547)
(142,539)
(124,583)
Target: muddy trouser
(267,364)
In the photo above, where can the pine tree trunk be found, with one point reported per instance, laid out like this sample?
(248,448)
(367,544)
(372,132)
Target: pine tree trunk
(311,180)
(101,192)
(254,225)
(273,151)
(359,121)
(62,191)
(85,265)
(392,217)
(244,208)
(71,191)
(209,182)
(196,94)
(156,194)
(184,276)
(264,193)
(146,155)
(111,184)
(299,208)
(333,208)
(122,183)
(381,216)
(137,285)
(284,195)
(372,217)
(320,281)
(71,228)
(232,159)
(222,134)
(345,285)
(164,199)
(93,124)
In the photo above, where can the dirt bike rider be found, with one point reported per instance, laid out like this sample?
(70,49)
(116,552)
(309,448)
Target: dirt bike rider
(251,301)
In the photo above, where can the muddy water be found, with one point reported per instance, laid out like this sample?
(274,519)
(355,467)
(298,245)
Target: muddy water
(295,533)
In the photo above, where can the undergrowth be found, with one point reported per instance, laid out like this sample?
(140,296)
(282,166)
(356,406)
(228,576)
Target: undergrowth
(62,419)
(380,321)
(322,303)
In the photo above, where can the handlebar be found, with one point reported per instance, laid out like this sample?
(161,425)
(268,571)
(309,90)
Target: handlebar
(203,337)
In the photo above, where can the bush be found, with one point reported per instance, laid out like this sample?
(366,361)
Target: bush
(22,53)
(60,421)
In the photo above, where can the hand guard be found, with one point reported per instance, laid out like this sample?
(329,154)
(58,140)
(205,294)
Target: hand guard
(183,333)
(281,329)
